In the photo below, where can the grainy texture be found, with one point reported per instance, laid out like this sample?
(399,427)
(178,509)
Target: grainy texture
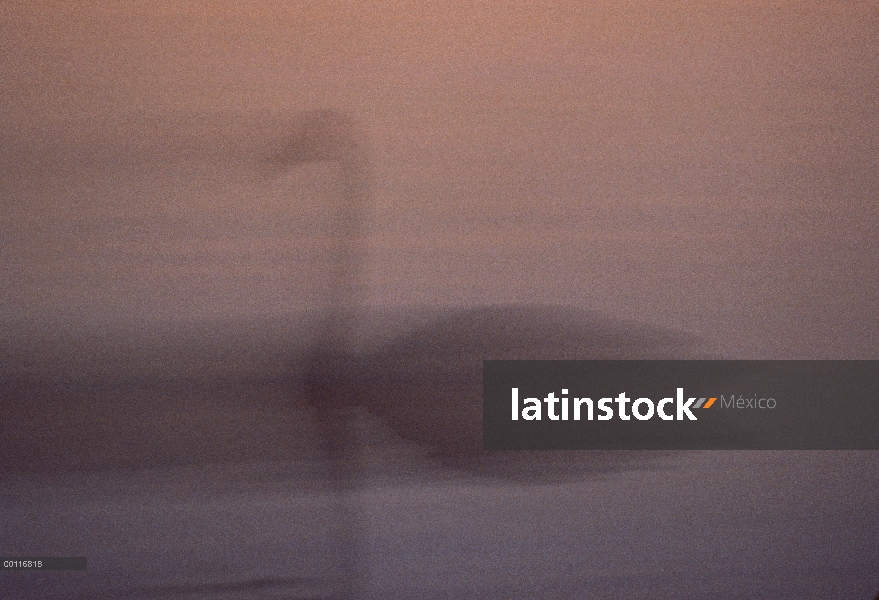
(700,167)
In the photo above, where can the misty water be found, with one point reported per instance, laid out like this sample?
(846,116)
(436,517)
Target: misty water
(676,181)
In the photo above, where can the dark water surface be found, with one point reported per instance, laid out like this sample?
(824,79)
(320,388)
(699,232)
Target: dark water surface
(207,480)
(693,525)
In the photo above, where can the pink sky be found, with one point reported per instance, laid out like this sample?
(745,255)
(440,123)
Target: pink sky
(709,166)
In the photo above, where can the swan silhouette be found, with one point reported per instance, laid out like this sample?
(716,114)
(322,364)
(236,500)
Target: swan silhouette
(427,384)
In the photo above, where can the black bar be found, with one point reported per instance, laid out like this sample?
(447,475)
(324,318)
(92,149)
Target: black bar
(43,563)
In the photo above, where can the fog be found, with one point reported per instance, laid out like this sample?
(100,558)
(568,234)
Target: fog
(705,168)
(700,172)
